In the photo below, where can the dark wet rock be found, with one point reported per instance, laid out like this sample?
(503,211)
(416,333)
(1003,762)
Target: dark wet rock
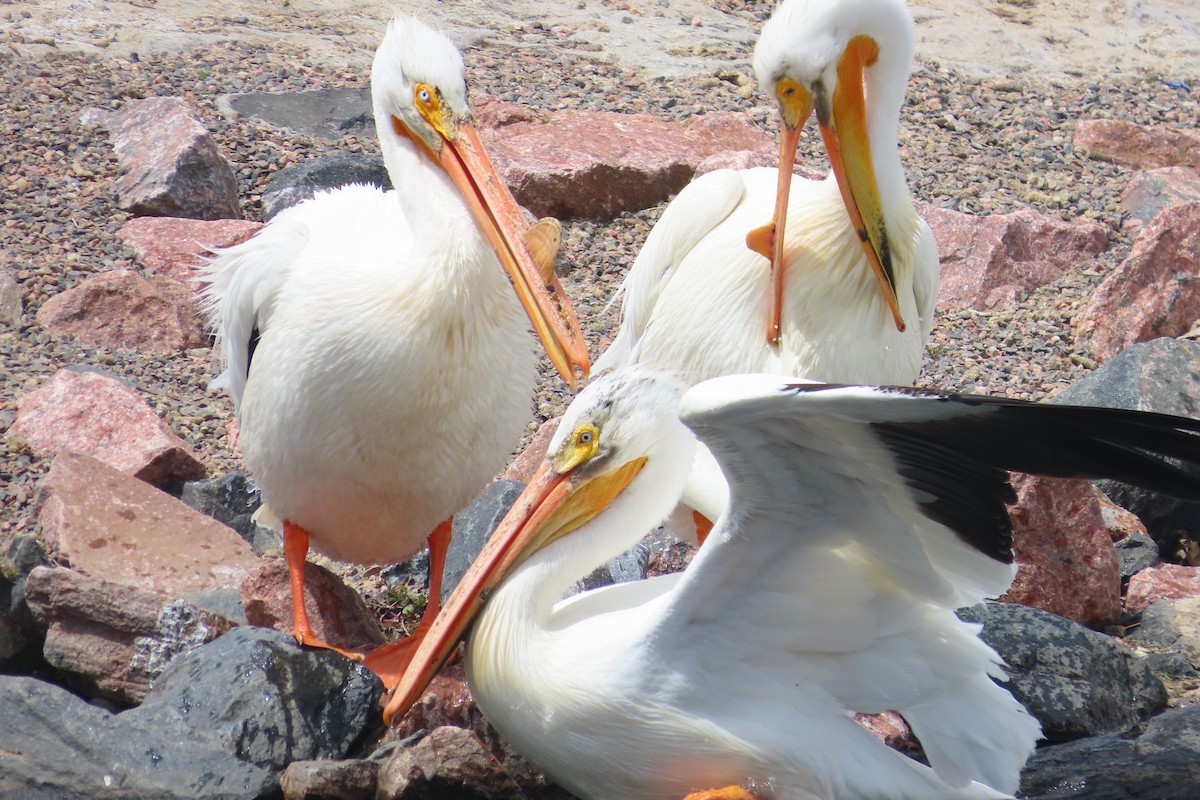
(1160,375)
(472,527)
(298,183)
(221,722)
(1135,553)
(1163,763)
(232,499)
(1077,682)
(20,636)
(258,695)
(331,113)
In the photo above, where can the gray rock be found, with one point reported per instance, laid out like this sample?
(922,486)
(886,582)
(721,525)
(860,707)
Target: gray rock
(1160,375)
(20,636)
(12,300)
(232,499)
(296,184)
(255,694)
(1135,553)
(473,526)
(1077,682)
(1170,626)
(172,167)
(1163,763)
(220,723)
(330,113)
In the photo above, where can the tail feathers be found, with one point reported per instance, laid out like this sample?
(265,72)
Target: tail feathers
(975,731)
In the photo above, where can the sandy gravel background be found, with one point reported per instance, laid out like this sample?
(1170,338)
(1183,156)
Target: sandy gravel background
(1157,38)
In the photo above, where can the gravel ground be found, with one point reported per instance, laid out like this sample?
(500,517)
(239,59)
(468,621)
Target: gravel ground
(981,146)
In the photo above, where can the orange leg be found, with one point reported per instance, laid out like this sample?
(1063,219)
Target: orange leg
(390,660)
(295,550)
(704,527)
(727,793)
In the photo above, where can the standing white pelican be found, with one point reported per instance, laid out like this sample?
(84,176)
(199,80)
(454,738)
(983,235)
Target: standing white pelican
(859,519)
(377,355)
(850,297)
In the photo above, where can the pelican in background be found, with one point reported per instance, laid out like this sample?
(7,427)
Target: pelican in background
(377,356)
(840,284)
(859,519)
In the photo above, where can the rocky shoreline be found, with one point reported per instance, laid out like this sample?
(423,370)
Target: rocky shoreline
(981,147)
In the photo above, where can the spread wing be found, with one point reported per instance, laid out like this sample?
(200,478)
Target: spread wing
(858,519)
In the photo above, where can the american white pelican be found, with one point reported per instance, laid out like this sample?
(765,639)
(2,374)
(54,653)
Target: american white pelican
(859,519)
(377,356)
(850,297)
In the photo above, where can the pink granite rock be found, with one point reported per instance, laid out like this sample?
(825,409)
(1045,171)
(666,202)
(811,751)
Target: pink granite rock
(446,757)
(324,780)
(114,639)
(1161,582)
(995,261)
(1136,146)
(599,163)
(101,417)
(1066,560)
(171,165)
(104,523)
(177,247)
(122,309)
(337,614)
(1150,192)
(1152,293)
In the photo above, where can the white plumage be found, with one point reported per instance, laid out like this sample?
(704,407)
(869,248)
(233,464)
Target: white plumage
(376,353)
(858,520)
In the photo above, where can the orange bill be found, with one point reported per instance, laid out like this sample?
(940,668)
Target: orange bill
(554,504)
(844,131)
(796,105)
(498,215)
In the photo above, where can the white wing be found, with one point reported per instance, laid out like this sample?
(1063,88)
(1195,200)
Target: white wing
(926,275)
(858,519)
(693,214)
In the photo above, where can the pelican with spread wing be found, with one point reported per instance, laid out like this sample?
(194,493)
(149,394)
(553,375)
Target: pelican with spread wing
(858,520)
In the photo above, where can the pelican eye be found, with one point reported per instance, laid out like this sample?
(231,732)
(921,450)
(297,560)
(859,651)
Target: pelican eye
(429,105)
(580,447)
